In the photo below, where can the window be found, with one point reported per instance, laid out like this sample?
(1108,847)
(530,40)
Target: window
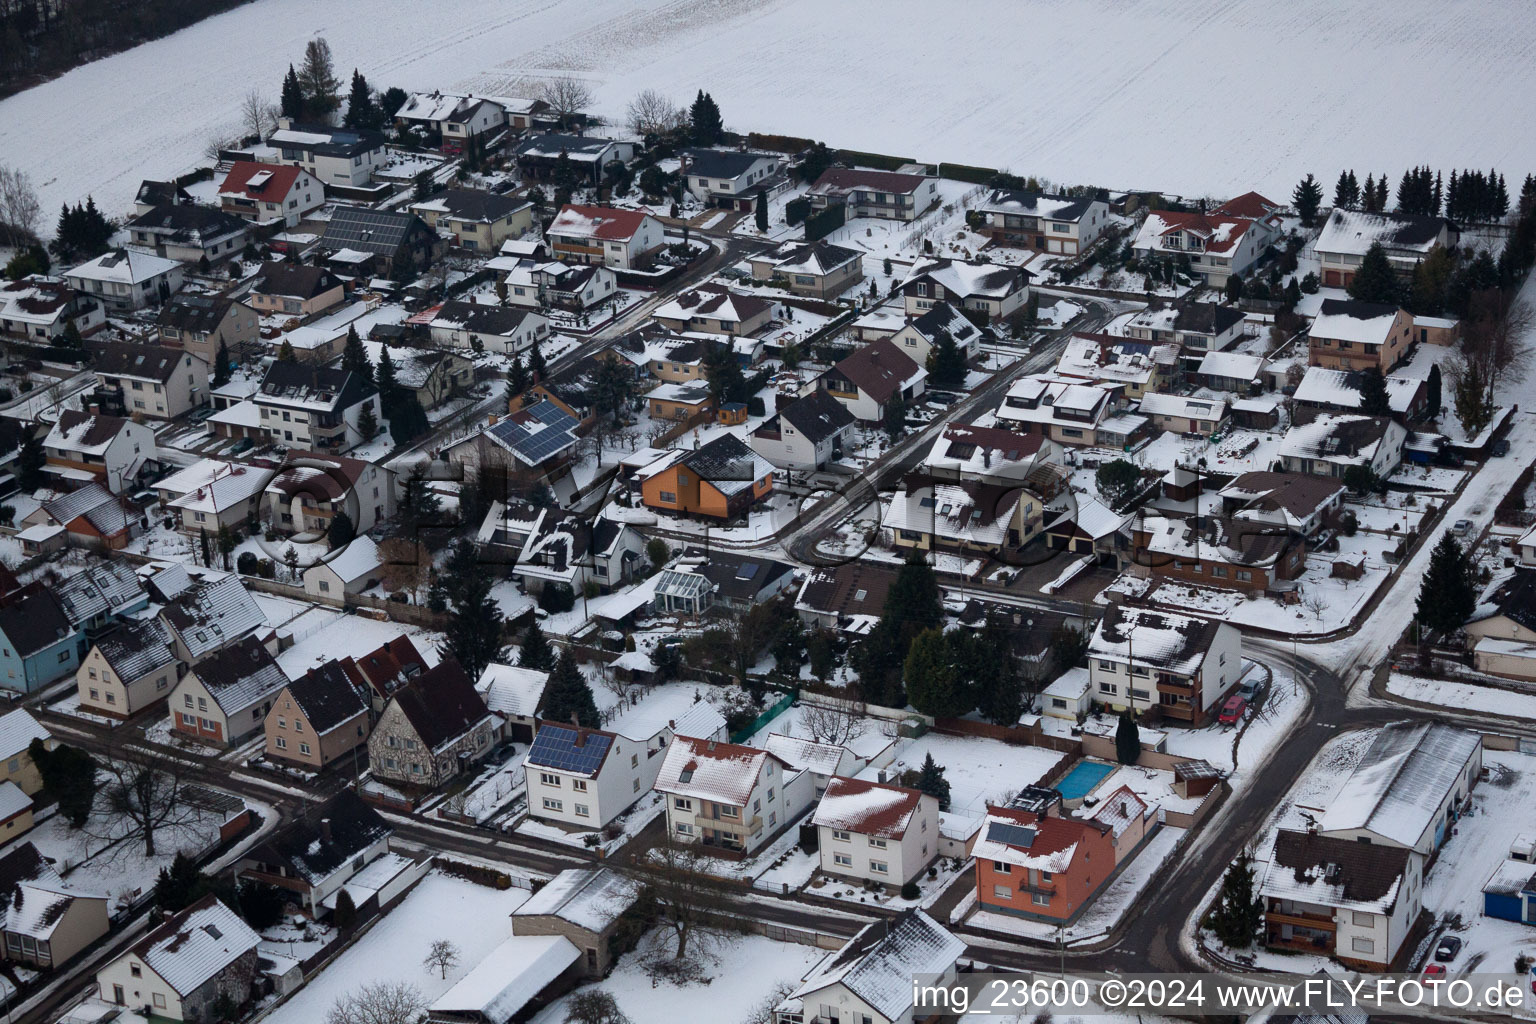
(136,970)
(879,867)
(303,748)
(581,810)
(1363,919)
(1045,876)
(668,497)
(282,723)
(282,743)
(678,803)
(1002,892)
(94,696)
(1002,868)
(728,812)
(684,829)
(1360,945)
(634,760)
(842,860)
(579,785)
(1041,899)
(551,804)
(878,844)
(840,835)
(1109,688)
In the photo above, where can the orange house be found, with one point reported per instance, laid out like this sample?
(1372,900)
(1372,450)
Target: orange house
(1045,868)
(720,480)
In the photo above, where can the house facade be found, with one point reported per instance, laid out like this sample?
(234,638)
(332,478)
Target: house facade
(1140,659)
(270,194)
(189,233)
(201,324)
(874,832)
(319,718)
(804,435)
(433,728)
(111,450)
(225,698)
(344,157)
(729,798)
(882,194)
(584,778)
(991,290)
(1047,223)
(867,381)
(721,480)
(1351,335)
(1046,868)
(604,236)
(150,380)
(126,279)
(128,668)
(182,968)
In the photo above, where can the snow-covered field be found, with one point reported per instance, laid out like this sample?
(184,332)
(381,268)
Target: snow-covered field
(1133,106)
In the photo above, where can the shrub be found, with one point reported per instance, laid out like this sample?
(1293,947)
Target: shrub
(480,875)
(248,564)
(755,407)
(910,891)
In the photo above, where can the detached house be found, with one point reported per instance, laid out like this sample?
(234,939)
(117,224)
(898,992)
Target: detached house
(1070,412)
(806,434)
(1349,234)
(455,118)
(1042,867)
(39,309)
(882,194)
(1215,551)
(727,178)
(538,156)
(873,832)
(1351,335)
(319,408)
(270,193)
(1185,414)
(820,270)
(202,323)
(130,667)
(872,377)
(1296,501)
(45,922)
(1195,327)
(967,453)
(870,979)
(126,279)
(432,729)
(715,309)
(586,777)
(92,516)
(943,322)
(38,643)
(731,799)
(150,380)
(319,718)
(1047,223)
(1140,659)
(1217,246)
(212,493)
(721,480)
(993,290)
(513,695)
(929,513)
(282,288)
(474,326)
(574,550)
(1137,366)
(1333,442)
(189,233)
(17,731)
(478,221)
(110,450)
(339,157)
(384,242)
(313,857)
(1322,388)
(226,697)
(311,489)
(182,968)
(210,615)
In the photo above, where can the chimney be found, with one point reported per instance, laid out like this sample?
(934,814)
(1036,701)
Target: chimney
(671,725)
(325,829)
(986,457)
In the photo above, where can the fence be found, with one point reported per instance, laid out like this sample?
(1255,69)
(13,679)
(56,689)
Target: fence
(779,707)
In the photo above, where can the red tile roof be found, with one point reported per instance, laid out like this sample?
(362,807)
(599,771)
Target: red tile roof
(1221,233)
(597,222)
(1250,205)
(868,808)
(279,181)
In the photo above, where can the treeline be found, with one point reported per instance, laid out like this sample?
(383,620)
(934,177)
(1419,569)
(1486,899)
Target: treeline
(40,39)
(1422,191)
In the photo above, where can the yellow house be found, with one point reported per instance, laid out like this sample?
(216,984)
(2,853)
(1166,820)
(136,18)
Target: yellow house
(478,220)
(17,731)
(15,812)
(678,401)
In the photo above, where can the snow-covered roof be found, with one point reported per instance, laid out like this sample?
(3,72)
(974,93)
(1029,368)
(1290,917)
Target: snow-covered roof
(1194,407)
(1367,323)
(968,279)
(103,589)
(33,898)
(726,773)
(1401,782)
(1235,365)
(1334,872)
(868,808)
(196,944)
(979,514)
(1221,235)
(602,222)
(1173,643)
(509,978)
(652,717)
(1341,438)
(589,898)
(352,562)
(123,266)
(241,675)
(879,963)
(1355,231)
(511,690)
(1120,360)
(86,432)
(1118,811)
(1058,401)
(1092,517)
(1037,204)
(1025,839)
(213,485)
(212,613)
(1071,684)
(966,448)
(808,755)
(17,731)
(12,800)
(1339,389)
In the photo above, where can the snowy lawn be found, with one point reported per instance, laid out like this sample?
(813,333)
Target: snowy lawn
(472,917)
(979,770)
(1491,700)
(351,636)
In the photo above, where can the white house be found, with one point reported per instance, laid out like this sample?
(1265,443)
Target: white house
(994,289)
(346,157)
(727,178)
(728,797)
(477,326)
(888,195)
(40,308)
(355,568)
(110,449)
(1217,246)
(512,694)
(1349,234)
(315,855)
(180,969)
(870,979)
(212,493)
(874,832)
(804,435)
(586,777)
(1139,658)
(455,117)
(319,408)
(126,279)
(1334,442)
(1048,223)
(268,194)
(925,332)
(153,381)
(604,235)
(870,378)
(822,760)
(575,549)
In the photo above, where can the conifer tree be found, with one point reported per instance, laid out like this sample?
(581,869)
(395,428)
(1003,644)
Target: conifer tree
(517,377)
(1374,279)
(946,363)
(537,368)
(931,780)
(291,102)
(361,112)
(1433,387)
(568,693)
(1238,912)
(318,77)
(705,121)
(932,685)
(354,357)
(1374,400)
(1448,596)
(221,365)
(1307,197)
(1127,739)
(535,652)
(285,352)
(762,210)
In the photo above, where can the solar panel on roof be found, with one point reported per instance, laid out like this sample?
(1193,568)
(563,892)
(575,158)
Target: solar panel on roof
(555,747)
(747,571)
(1012,835)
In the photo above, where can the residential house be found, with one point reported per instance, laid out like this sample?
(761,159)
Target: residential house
(539,156)
(225,697)
(474,327)
(874,832)
(100,593)
(212,493)
(126,279)
(930,513)
(92,517)
(1068,697)
(1253,556)
(289,290)
(1409,788)
(128,668)
(182,968)
(455,119)
(534,443)
(577,550)
(867,381)
(967,453)
(883,194)
(513,695)
(158,193)
(1197,328)
(1139,658)
(732,799)
(1348,334)
(1185,414)
(210,615)
(1070,412)
(150,381)
(1042,867)
(743,582)
(313,856)
(270,194)
(942,322)
(727,178)
(1238,373)
(850,599)
(715,309)
(1333,442)
(433,728)
(539,284)
(823,760)
(40,309)
(1216,246)
(83,447)
(17,731)
(680,402)
(804,435)
(869,979)
(202,324)
(1322,388)
(189,233)
(582,905)
(819,270)
(15,813)
(313,407)
(721,480)
(318,718)
(386,669)
(1105,358)
(46,922)
(672,358)
(478,221)
(1047,223)
(336,157)
(385,243)
(432,375)
(312,488)
(585,778)
(521,112)
(1299,502)
(355,567)
(1349,234)
(1356,902)
(991,290)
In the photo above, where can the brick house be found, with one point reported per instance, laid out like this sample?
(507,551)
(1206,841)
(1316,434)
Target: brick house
(1047,868)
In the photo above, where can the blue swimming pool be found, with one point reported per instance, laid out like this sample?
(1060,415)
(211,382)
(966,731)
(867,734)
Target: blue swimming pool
(1079,782)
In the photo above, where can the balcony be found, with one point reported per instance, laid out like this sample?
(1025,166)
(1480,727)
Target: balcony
(745,826)
(1298,919)
(1174,685)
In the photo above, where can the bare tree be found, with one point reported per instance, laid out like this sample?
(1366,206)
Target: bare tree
(566,97)
(594,1006)
(835,725)
(217,145)
(441,956)
(653,113)
(762,1012)
(257,114)
(382,1002)
(1495,338)
(144,794)
(19,208)
(407,565)
(691,904)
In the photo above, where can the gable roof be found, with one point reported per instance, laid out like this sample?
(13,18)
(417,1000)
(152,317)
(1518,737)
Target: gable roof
(196,944)
(1175,643)
(589,898)
(327,837)
(536,433)
(381,232)
(856,589)
(568,748)
(189,222)
(880,370)
(879,963)
(326,140)
(868,808)
(1354,320)
(1251,205)
(727,463)
(1355,231)
(1512,596)
(1037,204)
(327,387)
(723,163)
(124,266)
(268,183)
(1222,234)
(840,180)
(1401,781)
(17,731)
(942,321)
(33,620)
(242,674)
(475,205)
(134,647)
(712,770)
(817,416)
(106,511)
(213,613)
(602,222)
(970,278)
(147,362)
(295,281)
(1026,839)
(328,696)
(90,432)
(818,258)
(481,318)
(388,667)
(1341,389)
(578,148)
(1210,318)
(714,302)
(1336,437)
(441,704)
(806,754)
(1335,872)
(33,898)
(103,588)
(742,577)
(511,690)
(197,312)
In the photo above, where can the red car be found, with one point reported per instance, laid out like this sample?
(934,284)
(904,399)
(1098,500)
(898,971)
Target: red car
(1232,710)
(1435,971)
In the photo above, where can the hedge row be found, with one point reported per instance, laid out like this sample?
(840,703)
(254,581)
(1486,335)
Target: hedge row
(779,143)
(823,222)
(879,161)
(965,172)
(479,874)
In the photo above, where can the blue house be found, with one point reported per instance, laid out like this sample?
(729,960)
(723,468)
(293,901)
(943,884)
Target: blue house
(1511,893)
(38,643)
(100,594)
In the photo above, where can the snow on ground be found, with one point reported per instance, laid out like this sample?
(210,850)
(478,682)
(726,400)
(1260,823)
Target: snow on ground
(1445,693)
(1086,121)
(473,917)
(978,769)
(748,968)
(351,636)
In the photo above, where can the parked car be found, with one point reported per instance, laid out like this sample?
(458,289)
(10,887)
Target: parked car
(242,446)
(1462,527)
(1449,946)
(1500,449)
(1251,688)
(1232,710)
(1435,971)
